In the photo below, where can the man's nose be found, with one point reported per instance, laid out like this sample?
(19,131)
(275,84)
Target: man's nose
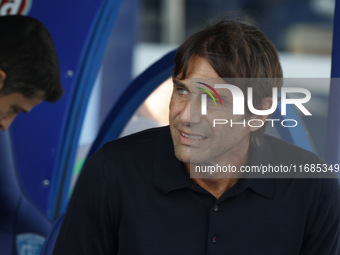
(191,112)
(6,122)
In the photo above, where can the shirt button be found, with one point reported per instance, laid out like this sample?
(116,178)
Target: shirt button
(214,239)
(215,208)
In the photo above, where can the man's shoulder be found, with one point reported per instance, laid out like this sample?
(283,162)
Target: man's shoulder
(306,170)
(281,145)
(282,150)
(140,142)
(131,154)
(290,161)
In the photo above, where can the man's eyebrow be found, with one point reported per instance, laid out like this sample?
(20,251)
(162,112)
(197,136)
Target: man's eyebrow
(178,82)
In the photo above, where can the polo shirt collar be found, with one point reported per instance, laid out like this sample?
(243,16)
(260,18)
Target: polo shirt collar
(261,154)
(263,187)
(169,173)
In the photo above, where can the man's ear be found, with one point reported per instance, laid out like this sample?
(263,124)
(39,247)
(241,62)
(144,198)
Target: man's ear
(2,78)
(265,105)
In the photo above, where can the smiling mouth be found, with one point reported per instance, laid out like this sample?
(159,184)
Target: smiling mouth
(193,137)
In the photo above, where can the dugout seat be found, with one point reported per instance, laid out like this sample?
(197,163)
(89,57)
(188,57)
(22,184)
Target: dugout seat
(23,227)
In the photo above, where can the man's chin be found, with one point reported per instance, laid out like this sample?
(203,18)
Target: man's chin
(183,155)
(187,156)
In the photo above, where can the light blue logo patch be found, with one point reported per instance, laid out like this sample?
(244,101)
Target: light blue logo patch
(29,244)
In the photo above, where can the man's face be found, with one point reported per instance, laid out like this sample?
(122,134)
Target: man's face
(12,104)
(194,137)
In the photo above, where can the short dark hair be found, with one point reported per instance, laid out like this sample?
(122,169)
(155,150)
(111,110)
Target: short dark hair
(234,50)
(29,59)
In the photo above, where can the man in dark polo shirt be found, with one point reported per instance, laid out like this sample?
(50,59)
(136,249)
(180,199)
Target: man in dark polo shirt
(136,195)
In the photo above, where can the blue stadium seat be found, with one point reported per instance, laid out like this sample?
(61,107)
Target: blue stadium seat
(23,227)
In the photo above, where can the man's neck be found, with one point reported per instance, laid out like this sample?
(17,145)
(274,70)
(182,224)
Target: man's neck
(215,186)
(219,183)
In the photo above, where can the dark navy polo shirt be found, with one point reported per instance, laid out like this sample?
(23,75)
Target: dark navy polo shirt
(134,197)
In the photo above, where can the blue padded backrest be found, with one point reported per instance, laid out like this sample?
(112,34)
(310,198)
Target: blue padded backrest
(84,80)
(333,125)
(23,227)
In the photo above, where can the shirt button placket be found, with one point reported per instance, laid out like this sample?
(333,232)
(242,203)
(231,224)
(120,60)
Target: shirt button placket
(215,208)
(213,228)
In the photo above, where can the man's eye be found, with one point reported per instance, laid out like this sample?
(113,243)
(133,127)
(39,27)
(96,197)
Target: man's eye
(182,91)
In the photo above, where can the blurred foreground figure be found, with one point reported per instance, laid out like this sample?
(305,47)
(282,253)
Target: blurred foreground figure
(29,68)
(29,74)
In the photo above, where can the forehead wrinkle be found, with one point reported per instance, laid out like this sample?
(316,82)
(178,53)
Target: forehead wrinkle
(200,68)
